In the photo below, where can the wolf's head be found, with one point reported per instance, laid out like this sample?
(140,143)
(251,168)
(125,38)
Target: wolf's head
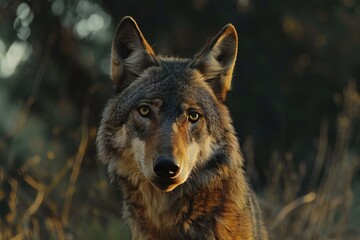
(167,117)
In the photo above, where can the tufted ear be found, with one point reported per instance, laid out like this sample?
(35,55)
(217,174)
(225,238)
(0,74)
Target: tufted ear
(130,54)
(216,61)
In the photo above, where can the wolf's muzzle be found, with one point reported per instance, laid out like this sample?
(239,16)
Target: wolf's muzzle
(166,167)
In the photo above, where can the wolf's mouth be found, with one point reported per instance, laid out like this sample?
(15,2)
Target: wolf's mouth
(165,184)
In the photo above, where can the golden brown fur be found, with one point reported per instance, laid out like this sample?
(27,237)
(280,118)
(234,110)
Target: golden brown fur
(166,138)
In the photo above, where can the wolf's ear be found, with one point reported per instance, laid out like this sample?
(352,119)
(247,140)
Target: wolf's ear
(130,54)
(216,61)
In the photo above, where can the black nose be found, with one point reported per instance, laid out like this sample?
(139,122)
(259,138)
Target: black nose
(166,167)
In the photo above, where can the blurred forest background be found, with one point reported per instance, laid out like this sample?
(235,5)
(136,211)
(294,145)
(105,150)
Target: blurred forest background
(295,104)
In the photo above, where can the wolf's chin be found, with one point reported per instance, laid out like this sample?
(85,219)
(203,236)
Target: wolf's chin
(164,187)
(167,185)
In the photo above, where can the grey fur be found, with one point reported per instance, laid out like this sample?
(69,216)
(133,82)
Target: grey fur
(210,197)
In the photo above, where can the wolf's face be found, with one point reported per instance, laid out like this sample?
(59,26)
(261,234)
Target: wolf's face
(169,136)
(166,117)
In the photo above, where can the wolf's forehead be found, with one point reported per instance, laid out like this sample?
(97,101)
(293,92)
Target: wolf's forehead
(173,84)
(174,65)
(170,83)
(175,98)
(170,79)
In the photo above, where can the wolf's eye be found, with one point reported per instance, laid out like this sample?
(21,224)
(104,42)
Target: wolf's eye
(193,117)
(144,111)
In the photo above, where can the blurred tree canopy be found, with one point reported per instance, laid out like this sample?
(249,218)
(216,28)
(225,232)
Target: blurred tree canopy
(295,57)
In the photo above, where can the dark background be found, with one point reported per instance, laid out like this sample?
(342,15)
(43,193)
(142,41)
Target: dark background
(295,60)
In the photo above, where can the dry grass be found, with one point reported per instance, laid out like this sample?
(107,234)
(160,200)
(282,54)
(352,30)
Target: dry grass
(323,212)
(33,208)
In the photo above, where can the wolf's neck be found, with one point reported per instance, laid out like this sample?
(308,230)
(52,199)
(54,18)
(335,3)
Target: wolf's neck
(150,212)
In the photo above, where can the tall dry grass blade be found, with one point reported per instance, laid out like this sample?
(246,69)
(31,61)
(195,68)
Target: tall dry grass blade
(321,155)
(77,165)
(308,198)
(41,188)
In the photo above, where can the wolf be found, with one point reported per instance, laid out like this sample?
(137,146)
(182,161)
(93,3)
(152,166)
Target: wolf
(166,138)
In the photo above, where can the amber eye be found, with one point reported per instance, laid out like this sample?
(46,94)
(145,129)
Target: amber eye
(193,117)
(144,111)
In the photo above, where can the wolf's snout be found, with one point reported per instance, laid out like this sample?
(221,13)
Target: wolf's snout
(166,167)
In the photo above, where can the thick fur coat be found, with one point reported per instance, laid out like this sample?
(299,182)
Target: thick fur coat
(167,139)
